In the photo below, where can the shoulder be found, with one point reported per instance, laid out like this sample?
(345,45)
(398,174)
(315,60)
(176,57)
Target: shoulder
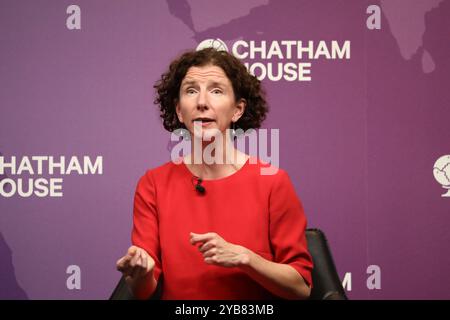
(265,169)
(266,172)
(277,183)
(162,173)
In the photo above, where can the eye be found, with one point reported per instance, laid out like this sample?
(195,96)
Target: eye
(217,91)
(190,90)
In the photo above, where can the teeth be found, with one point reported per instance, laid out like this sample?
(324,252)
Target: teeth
(204,120)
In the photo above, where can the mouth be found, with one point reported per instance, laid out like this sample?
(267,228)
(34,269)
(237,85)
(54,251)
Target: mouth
(203,120)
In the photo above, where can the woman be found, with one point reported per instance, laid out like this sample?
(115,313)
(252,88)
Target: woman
(215,229)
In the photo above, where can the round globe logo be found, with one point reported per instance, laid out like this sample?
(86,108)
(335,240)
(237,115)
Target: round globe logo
(217,44)
(441,172)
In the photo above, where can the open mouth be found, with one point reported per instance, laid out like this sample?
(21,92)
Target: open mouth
(203,120)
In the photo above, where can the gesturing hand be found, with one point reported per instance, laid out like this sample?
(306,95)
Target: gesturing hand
(217,251)
(136,264)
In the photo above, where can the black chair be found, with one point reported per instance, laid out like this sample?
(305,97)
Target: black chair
(326,283)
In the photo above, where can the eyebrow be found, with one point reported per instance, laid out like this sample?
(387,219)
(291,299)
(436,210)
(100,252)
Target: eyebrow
(187,83)
(192,82)
(217,84)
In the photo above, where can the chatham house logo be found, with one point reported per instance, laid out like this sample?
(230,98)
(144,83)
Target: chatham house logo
(212,43)
(441,172)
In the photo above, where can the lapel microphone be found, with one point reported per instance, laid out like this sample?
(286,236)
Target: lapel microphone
(200,189)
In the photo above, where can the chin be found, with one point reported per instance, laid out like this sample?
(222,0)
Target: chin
(207,134)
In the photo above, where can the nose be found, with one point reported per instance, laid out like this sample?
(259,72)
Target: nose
(202,103)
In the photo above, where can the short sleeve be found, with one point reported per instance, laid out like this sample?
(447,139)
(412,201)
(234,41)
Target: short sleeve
(287,227)
(145,232)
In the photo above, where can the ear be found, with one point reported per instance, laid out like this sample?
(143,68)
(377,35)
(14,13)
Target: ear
(239,110)
(178,111)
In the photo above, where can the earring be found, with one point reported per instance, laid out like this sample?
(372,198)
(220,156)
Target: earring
(185,134)
(233,130)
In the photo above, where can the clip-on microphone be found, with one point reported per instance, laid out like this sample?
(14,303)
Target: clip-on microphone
(201,189)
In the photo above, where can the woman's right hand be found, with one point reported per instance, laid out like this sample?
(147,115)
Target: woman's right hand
(135,265)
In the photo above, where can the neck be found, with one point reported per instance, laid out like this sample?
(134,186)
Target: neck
(214,159)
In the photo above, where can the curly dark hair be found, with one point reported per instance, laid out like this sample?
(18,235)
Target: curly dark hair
(245,86)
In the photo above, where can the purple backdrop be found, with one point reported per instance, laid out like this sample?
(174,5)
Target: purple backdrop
(359,140)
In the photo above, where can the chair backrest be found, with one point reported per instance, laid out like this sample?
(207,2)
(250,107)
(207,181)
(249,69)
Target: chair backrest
(326,283)
(122,292)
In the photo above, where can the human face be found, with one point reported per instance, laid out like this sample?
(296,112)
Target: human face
(207,97)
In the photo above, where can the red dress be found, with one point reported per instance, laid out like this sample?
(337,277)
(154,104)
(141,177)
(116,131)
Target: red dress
(259,212)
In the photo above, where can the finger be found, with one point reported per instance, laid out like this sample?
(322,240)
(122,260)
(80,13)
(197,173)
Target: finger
(133,267)
(196,237)
(132,250)
(208,245)
(144,263)
(123,263)
(135,258)
(128,265)
(130,255)
(120,267)
(210,260)
(151,262)
(120,262)
(210,253)
(139,268)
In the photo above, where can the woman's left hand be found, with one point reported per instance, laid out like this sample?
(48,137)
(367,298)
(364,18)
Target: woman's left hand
(217,251)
